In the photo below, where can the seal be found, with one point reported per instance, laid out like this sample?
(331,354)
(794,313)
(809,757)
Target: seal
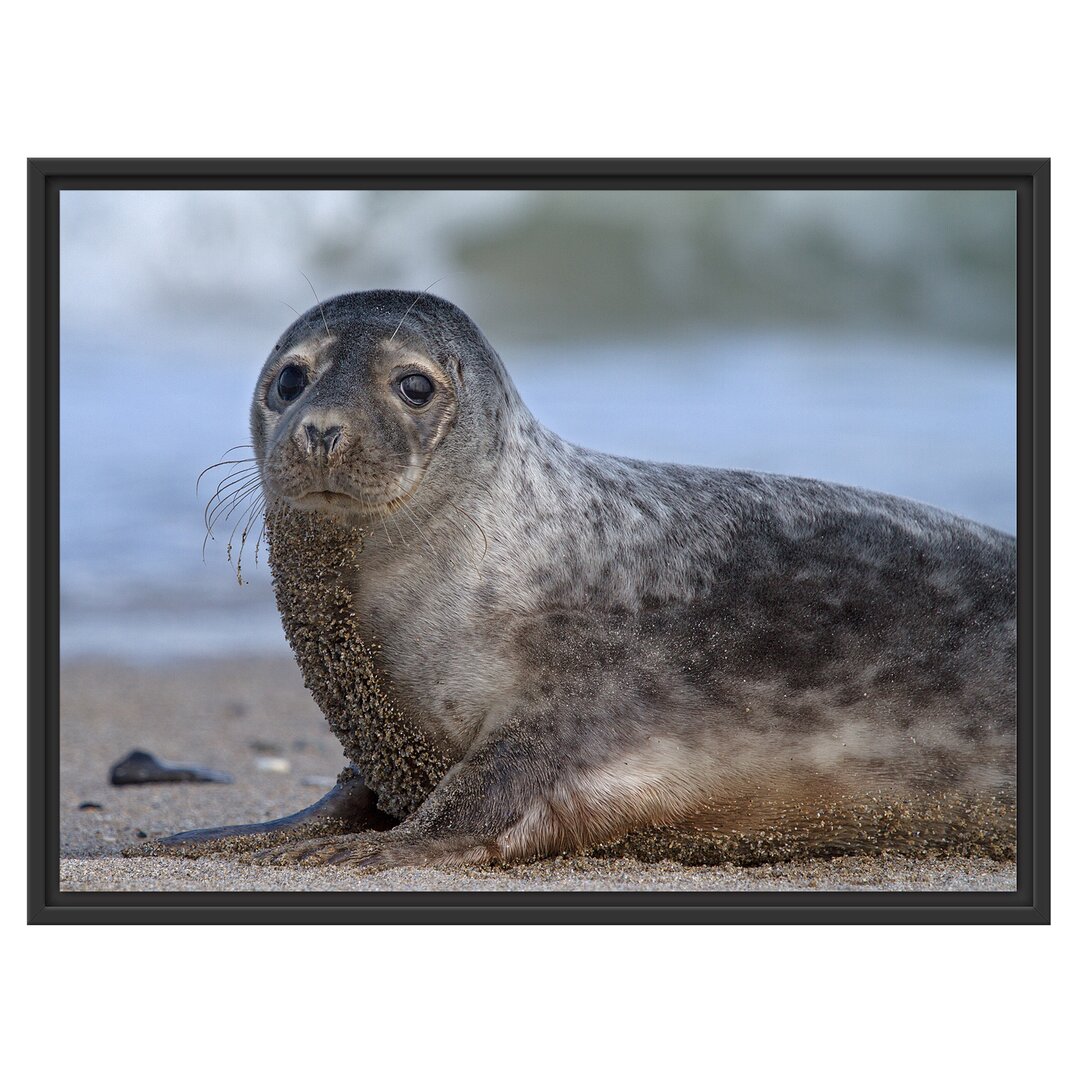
(527,647)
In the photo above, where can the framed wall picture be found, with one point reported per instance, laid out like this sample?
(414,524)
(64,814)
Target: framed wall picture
(539,540)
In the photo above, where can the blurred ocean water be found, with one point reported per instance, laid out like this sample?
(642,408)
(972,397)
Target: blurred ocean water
(933,422)
(858,336)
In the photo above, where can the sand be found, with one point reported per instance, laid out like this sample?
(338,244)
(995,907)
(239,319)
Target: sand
(252,718)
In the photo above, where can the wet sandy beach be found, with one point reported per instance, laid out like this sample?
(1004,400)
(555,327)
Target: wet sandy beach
(253,719)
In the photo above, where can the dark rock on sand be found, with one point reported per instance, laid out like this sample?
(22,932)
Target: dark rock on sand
(140,767)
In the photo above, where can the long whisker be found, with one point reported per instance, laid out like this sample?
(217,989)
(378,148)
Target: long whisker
(262,531)
(369,508)
(419,531)
(219,465)
(397,525)
(225,511)
(232,476)
(475,523)
(230,502)
(299,315)
(385,529)
(243,541)
(274,512)
(416,300)
(322,312)
(223,501)
(223,492)
(257,507)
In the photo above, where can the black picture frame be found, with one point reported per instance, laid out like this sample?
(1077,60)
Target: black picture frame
(1028,177)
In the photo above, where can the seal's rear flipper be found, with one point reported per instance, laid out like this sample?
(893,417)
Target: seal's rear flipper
(348,807)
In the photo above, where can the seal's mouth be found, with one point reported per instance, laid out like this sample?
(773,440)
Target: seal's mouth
(336,503)
(332,497)
(324,499)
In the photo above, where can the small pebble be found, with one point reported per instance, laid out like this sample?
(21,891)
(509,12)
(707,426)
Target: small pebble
(90,806)
(140,834)
(273,764)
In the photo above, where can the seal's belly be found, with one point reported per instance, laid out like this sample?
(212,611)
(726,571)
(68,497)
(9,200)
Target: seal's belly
(970,826)
(730,793)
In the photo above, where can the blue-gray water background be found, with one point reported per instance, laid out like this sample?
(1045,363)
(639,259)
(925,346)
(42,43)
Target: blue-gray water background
(861,337)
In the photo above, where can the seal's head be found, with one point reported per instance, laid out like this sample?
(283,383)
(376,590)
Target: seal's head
(366,394)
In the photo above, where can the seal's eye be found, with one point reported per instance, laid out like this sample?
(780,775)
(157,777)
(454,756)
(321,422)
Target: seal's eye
(291,381)
(416,389)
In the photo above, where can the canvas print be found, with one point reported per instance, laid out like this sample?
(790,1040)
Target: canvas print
(537,540)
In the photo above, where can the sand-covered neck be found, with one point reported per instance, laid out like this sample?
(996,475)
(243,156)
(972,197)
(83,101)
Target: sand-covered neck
(313,559)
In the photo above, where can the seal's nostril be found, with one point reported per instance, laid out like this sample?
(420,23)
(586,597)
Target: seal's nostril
(331,438)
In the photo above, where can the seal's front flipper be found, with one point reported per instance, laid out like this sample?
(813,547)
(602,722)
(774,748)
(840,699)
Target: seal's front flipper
(348,807)
(490,808)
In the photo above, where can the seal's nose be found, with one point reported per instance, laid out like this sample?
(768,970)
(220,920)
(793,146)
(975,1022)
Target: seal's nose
(320,439)
(329,437)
